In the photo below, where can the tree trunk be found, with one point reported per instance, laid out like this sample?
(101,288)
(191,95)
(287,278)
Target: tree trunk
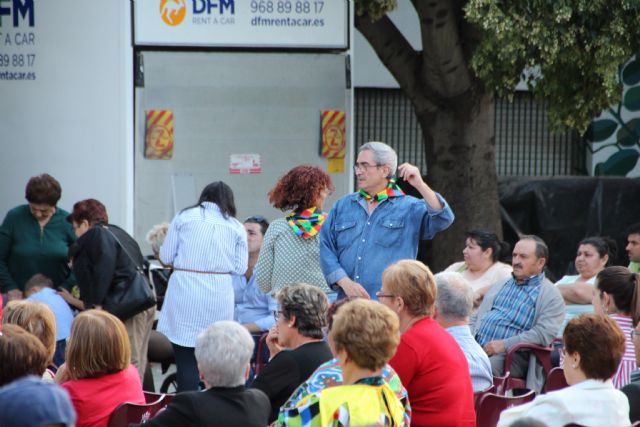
(460,147)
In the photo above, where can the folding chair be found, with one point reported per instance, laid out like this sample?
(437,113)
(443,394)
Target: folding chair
(491,405)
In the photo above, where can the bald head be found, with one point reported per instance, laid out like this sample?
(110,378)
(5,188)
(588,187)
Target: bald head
(455,297)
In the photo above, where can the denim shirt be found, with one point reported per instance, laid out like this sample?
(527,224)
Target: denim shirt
(251,304)
(360,246)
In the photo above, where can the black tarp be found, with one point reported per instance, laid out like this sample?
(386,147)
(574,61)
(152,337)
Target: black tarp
(564,210)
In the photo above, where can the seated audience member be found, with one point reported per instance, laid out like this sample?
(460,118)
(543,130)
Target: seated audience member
(593,347)
(633,247)
(481,266)
(428,360)
(40,289)
(618,297)
(453,308)
(97,373)
(21,354)
(38,319)
(155,237)
(594,254)
(254,309)
(329,374)
(632,390)
(158,274)
(31,402)
(223,351)
(525,309)
(364,337)
(295,343)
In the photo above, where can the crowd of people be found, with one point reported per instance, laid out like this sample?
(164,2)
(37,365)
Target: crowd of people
(355,330)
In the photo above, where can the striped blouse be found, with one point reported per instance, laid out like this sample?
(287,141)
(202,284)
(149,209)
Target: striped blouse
(202,240)
(628,363)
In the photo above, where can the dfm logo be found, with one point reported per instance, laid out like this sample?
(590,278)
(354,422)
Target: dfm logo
(18,9)
(172,11)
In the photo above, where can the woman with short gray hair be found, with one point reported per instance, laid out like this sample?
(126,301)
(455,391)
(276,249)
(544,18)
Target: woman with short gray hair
(222,351)
(301,315)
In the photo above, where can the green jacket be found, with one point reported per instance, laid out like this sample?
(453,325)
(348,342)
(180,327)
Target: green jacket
(26,249)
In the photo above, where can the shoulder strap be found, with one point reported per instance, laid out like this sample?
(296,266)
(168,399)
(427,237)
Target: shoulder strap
(123,248)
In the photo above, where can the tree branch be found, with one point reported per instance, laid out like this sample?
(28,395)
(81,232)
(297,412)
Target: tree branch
(444,66)
(397,54)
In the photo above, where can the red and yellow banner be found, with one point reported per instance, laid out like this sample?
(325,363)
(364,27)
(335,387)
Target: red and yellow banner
(334,136)
(159,135)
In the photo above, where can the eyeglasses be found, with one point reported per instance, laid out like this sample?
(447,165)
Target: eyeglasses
(276,314)
(364,167)
(381,295)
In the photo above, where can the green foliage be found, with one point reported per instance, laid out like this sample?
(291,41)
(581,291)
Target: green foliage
(374,8)
(575,48)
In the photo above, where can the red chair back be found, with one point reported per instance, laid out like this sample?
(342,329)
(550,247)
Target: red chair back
(491,405)
(555,380)
(128,413)
(478,394)
(259,363)
(500,384)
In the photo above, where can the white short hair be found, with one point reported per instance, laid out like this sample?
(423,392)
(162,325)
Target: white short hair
(455,296)
(383,155)
(156,236)
(223,352)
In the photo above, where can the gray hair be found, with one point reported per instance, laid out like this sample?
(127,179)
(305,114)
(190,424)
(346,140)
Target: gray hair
(383,155)
(223,351)
(309,304)
(156,236)
(455,296)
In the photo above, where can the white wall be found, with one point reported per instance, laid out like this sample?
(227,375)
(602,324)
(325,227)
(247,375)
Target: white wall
(74,120)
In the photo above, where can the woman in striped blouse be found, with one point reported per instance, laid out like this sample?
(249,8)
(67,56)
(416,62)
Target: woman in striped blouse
(290,251)
(205,245)
(617,295)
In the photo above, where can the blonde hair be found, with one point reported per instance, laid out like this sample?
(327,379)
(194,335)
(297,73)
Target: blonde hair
(36,318)
(157,234)
(98,345)
(414,282)
(367,331)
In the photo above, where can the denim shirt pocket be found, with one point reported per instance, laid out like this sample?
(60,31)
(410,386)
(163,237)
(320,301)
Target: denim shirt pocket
(390,231)
(345,232)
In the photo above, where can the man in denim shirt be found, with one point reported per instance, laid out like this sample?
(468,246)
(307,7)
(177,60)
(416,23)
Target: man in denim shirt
(371,229)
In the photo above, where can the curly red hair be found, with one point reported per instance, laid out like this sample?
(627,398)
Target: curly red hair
(299,188)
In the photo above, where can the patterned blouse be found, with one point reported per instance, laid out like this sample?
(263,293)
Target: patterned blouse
(286,259)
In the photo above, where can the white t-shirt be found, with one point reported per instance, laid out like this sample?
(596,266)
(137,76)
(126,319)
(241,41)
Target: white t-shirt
(499,272)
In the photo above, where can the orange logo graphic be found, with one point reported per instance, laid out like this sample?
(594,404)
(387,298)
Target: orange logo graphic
(172,11)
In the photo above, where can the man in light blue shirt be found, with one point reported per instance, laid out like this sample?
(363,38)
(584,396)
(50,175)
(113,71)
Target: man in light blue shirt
(371,229)
(453,308)
(253,308)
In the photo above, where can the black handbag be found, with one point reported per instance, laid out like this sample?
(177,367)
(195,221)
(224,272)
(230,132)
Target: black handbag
(131,296)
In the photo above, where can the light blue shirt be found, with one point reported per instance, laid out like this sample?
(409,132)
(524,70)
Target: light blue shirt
(60,308)
(360,246)
(479,364)
(253,305)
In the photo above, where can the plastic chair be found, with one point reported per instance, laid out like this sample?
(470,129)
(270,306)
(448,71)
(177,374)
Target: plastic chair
(136,413)
(500,384)
(260,363)
(478,394)
(543,354)
(491,405)
(555,380)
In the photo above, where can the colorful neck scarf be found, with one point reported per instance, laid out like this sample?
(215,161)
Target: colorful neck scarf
(392,190)
(306,223)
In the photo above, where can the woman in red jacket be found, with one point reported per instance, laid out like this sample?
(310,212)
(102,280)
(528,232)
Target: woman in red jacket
(428,360)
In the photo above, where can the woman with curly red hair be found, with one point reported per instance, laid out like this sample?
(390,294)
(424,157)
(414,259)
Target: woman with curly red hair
(291,249)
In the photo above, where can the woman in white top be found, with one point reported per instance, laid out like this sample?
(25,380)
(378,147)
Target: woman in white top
(481,265)
(594,254)
(594,346)
(205,245)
